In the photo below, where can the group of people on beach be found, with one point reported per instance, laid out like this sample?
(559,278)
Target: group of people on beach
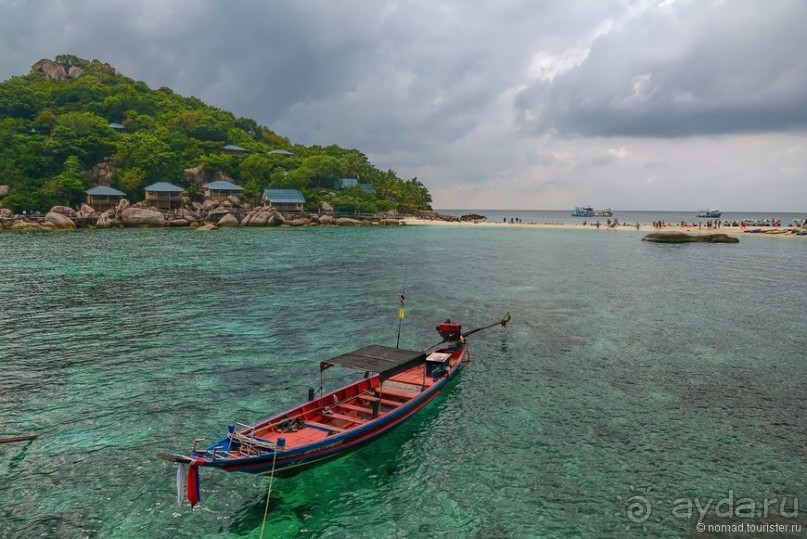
(610,223)
(684,224)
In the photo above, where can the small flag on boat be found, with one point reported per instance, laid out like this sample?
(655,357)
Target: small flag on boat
(194,492)
(402,299)
(182,472)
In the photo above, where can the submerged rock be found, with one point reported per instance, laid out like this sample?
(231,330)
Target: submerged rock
(680,237)
(25,225)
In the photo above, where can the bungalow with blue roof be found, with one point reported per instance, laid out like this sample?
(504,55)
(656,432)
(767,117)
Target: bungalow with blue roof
(343,183)
(220,190)
(285,200)
(103,197)
(367,188)
(232,149)
(164,195)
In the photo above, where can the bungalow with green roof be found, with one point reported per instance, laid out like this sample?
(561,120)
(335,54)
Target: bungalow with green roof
(220,190)
(164,195)
(103,197)
(232,149)
(285,200)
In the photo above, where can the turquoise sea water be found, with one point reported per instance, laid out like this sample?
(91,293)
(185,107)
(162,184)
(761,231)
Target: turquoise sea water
(631,373)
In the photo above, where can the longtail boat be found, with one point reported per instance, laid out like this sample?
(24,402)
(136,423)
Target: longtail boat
(396,384)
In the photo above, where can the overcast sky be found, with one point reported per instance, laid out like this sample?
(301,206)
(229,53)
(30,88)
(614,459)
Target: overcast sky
(492,104)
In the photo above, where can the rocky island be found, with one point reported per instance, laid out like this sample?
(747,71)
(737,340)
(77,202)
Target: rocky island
(84,145)
(681,237)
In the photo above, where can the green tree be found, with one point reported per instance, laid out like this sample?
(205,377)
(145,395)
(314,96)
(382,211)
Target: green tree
(414,196)
(256,167)
(45,120)
(147,153)
(66,189)
(23,200)
(386,184)
(354,200)
(131,181)
(321,170)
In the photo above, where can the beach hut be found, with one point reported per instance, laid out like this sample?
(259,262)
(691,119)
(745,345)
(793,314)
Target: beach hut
(343,183)
(220,190)
(285,200)
(232,149)
(164,195)
(103,197)
(280,152)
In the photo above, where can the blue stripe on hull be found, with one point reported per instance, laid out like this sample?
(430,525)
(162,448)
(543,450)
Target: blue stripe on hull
(356,440)
(296,460)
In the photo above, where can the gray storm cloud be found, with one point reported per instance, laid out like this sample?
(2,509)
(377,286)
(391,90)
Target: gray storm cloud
(511,96)
(700,70)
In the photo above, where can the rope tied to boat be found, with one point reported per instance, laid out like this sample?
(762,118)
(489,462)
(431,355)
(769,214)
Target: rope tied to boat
(281,442)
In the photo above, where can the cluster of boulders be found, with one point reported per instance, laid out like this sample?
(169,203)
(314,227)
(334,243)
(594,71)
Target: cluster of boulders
(52,70)
(431,215)
(206,216)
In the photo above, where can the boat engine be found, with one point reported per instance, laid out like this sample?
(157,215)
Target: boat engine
(450,331)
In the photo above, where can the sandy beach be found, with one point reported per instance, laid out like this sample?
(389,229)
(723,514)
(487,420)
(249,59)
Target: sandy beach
(786,232)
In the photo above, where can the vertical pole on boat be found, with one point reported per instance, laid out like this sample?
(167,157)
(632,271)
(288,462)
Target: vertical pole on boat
(401,310)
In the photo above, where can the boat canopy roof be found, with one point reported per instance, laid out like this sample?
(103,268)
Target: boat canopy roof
(384,360)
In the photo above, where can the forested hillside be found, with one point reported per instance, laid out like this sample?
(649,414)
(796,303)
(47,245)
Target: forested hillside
(56,141)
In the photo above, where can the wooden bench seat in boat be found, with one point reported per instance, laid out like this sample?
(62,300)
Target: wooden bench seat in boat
(387,402)
(396,393)
(324,426)
(354,408)
(343,417)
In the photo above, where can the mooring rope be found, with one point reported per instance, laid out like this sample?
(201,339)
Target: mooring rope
(269,494)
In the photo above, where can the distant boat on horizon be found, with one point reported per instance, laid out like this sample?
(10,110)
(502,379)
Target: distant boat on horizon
(583,211)
(710,214)
(604,213)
